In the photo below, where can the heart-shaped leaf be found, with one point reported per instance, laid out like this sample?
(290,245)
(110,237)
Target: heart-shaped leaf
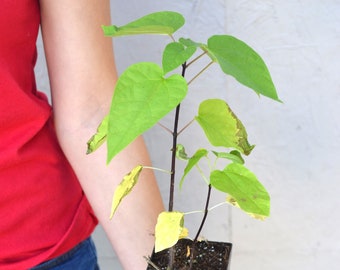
(237,181)
(142,97)
(169,229)
(175,54)
(239,60)
(163,23)
(222,127)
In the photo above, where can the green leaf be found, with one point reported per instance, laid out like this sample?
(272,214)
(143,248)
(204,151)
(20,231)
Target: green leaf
(175,54)
(169,229)
(243,186)
(162,23)
(222,127)
(190,43)
(180,152)
(99,138)
(233,155)
(124,188)
(239,60)
(142,97)
(192,162)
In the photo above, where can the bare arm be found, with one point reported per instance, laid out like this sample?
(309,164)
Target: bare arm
(82,76)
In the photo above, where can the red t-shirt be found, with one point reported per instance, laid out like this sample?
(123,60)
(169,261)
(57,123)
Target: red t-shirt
(43,210)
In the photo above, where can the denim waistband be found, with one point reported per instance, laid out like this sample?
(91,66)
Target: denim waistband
(76,253)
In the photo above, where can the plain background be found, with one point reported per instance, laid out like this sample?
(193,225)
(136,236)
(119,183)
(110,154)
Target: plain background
(297,143)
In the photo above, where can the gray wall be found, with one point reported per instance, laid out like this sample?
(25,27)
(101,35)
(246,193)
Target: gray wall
(298,142)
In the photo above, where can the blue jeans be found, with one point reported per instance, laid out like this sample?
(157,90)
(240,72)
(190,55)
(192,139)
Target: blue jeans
(81,257)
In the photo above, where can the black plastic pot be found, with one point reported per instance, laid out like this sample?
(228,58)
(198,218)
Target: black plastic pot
(204,255)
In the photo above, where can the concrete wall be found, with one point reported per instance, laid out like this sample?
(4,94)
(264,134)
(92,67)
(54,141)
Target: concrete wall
(298,142)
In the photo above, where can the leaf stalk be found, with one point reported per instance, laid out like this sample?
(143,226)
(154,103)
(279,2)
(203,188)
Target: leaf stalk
(199,73)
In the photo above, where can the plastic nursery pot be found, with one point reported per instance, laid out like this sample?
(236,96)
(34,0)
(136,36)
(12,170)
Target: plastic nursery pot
(207,255)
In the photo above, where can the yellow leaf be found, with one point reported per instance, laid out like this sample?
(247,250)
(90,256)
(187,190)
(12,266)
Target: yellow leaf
(125,187)
(169,229)
(184,233)
(100,137)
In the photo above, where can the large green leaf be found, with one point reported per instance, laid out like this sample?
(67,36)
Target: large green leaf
(142,97)
(175,54)
(239,60)
(222,127)
(243,186)
(169,229)
(124,188)
(163,23)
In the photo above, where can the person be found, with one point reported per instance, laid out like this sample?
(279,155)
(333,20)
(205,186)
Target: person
(52,194)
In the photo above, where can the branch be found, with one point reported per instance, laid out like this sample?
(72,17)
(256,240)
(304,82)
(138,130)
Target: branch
(199,73)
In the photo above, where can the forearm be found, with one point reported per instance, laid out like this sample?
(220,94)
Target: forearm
(131,229)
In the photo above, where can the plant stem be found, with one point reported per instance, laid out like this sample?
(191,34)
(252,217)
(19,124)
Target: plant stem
(199,73)
(173,170)
(194,60)
(172,37)
(202,211)
(156,169)
(151,263)
(173,157)
(179,132)
(206,210)
(165,128)
(173,160)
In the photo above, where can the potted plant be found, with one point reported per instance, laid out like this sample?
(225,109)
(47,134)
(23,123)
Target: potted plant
(146,92)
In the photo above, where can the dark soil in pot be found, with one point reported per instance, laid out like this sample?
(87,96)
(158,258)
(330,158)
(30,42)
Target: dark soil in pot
(207,255)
